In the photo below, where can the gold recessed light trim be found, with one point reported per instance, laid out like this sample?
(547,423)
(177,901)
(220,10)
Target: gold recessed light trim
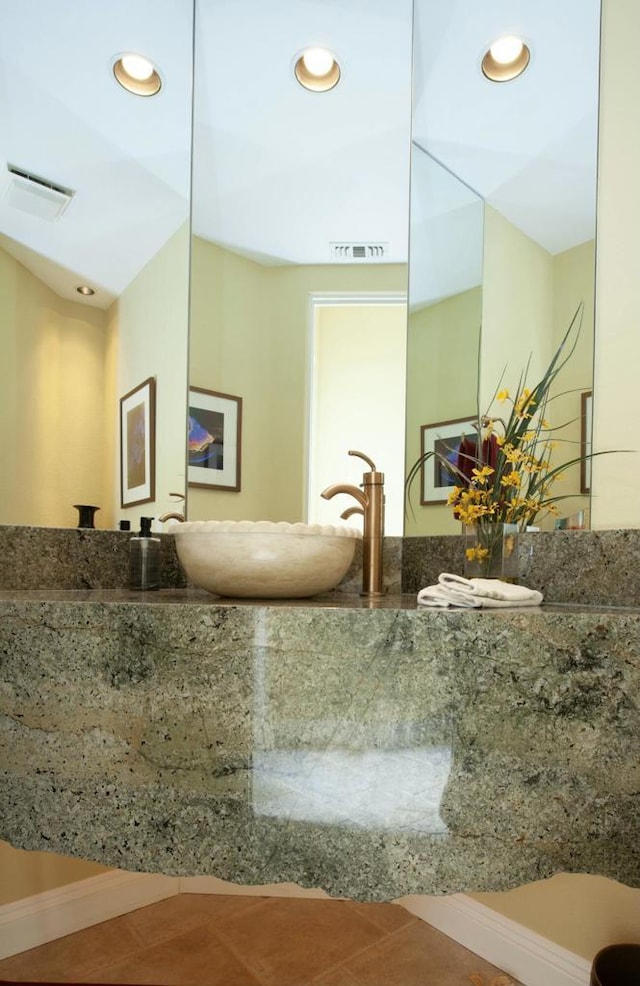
(137,74)
(317,70)
(85,290)
(506,59)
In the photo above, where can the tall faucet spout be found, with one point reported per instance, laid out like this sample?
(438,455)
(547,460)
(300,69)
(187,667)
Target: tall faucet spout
(336,488)
(371,500)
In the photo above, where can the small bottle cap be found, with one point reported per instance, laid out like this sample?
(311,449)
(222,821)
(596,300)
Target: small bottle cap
(145,527)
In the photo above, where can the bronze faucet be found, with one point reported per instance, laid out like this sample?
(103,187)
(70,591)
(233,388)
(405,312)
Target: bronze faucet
(371,500)
(173,515)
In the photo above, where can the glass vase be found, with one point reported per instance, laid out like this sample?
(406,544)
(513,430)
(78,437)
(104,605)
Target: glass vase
(491,552)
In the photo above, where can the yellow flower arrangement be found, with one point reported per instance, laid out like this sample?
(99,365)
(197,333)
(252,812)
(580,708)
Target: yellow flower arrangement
(504,475)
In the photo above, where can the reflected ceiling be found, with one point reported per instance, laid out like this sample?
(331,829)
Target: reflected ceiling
(338,161)
(64,118)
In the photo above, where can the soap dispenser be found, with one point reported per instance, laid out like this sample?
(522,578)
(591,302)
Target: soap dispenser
(144,558)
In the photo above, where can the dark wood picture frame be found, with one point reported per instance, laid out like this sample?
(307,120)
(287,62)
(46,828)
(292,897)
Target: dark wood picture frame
(138,445)
(214,451)
(441,437)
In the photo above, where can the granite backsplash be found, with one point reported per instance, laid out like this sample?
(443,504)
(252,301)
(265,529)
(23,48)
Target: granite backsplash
(585,567)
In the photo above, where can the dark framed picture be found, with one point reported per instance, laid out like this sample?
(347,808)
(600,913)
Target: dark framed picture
(215,440)
(586,419)
(138,445)
(443,439)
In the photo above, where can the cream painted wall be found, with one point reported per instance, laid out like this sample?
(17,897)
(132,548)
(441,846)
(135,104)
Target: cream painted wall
(442,385)
(517,307)
(250,337)
(616,478)
(148,338)
(582,913)
(358,403)
(53,432)
(27,873)
(573,279)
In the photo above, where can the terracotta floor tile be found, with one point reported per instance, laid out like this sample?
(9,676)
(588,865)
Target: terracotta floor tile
(179,914)
(289,942)
(387,917)
(337,977)
(417,955)
(196,957)
(217,940)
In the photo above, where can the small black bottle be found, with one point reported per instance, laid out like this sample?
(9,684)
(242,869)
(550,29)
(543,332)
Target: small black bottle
(144,558)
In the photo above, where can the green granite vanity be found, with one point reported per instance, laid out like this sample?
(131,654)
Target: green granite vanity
(372,751)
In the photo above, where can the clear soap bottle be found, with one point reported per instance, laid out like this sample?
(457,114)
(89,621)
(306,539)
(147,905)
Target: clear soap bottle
(144,558)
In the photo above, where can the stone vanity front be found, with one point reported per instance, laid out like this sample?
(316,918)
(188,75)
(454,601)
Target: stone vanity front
(373,751)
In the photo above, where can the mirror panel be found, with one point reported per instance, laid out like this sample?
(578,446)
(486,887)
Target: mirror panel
(66,359)
(529,148)
(281,177)
(445,317)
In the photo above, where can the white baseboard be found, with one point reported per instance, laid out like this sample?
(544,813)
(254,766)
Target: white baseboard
(523,954)
(53,914)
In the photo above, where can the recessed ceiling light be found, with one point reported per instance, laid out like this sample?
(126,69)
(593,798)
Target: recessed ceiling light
(506,59)
(85,290)
(137,74)
(317,69)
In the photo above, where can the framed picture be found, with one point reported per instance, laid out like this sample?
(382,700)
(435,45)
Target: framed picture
(586,418)
(214,443)
(443,438)
(138,445)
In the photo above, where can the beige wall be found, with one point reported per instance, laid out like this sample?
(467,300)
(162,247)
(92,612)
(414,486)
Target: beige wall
(53,432)
(148,327)
(27,873)
(442,385)
(616,478)
(250,337)
(517,307)
(582,913)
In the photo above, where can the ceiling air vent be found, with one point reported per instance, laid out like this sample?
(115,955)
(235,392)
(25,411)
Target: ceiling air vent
(359,251)
(35,195)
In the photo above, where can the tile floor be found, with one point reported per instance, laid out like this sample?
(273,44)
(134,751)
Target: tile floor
(210,940)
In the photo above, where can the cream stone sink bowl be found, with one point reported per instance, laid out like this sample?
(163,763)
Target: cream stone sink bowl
(264,560)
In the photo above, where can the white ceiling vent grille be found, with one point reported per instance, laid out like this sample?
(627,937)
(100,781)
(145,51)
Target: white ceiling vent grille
(35,195)
(369,252)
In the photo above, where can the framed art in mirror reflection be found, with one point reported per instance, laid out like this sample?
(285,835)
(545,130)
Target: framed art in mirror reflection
(138,444)
(214,440)
(442,439)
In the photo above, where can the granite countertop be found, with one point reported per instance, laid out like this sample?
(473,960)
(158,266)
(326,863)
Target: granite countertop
(192,596)
(402,751)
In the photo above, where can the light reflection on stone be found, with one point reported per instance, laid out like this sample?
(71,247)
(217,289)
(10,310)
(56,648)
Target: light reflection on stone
(387,789)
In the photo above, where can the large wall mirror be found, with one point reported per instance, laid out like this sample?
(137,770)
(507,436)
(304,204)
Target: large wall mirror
(528,147)
(300,206)
(122,232)
(300,220)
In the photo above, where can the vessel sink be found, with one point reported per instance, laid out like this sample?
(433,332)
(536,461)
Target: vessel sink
(264,560)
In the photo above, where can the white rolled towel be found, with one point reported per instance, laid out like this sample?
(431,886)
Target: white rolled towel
(454,590)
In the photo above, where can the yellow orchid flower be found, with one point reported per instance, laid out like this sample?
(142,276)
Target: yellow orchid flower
(511,479)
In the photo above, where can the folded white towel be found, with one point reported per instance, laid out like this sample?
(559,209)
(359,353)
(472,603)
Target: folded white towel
(453,590)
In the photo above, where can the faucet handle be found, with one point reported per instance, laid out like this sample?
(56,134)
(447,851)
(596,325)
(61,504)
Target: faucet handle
(366,458)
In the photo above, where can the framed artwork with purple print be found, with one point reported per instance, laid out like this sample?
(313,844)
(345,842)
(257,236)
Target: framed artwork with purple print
(214,440)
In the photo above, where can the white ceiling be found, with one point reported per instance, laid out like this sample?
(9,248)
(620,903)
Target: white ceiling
(280,173)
